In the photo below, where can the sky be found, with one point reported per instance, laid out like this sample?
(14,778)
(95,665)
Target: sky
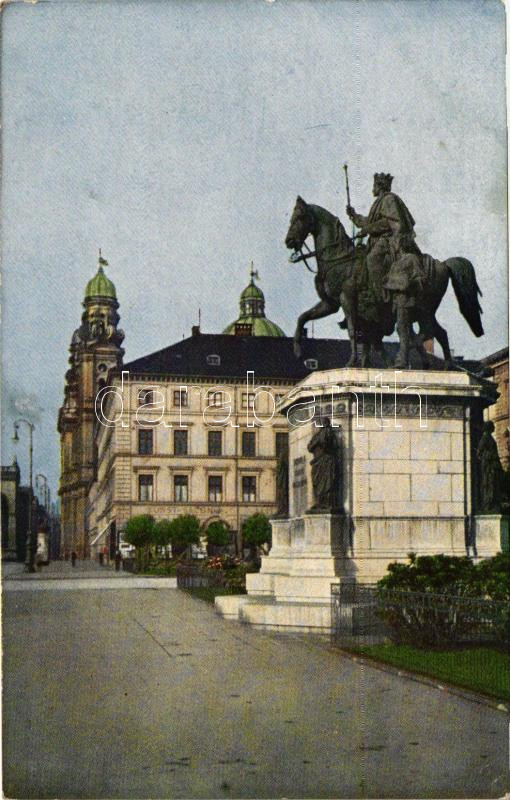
(176,135)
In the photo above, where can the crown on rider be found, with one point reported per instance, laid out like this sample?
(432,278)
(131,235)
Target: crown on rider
(384,179)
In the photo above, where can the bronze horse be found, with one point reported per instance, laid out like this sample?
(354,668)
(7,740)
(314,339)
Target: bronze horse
(341,280)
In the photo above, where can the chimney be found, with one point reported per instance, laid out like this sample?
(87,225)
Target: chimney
(305,333)
(195,330)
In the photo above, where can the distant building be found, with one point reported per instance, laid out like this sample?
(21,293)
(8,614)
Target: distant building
(95,349)
(499,413)
(209,455)
(10,510)
(17,504)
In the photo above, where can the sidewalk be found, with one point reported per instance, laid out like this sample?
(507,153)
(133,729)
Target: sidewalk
(58,570)
(85,575)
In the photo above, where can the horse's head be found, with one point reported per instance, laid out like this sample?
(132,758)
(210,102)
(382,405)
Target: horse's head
(301,224)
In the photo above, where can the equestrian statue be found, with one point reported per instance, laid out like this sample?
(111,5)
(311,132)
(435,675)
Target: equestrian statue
(384,284)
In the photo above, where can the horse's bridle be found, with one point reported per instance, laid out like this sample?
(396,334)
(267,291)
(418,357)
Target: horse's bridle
(295,259)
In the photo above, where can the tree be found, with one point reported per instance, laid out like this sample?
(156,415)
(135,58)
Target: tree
(185,531)
(218,535)
(257,534)
(163,534)
(139,532)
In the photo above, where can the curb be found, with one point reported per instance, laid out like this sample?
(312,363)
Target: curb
(449,688)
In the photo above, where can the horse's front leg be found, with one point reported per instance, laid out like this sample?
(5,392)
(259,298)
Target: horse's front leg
(323,309)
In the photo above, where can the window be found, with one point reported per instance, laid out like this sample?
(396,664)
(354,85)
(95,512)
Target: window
(247,400)
(215,398)
(181,443)
(311,363)
(215,488)
(214,443)
(249,488)
(248,443)
(281,443)
(145,488)
(181,488)
(145,396)
(213,360)
(145,441)
(180,398)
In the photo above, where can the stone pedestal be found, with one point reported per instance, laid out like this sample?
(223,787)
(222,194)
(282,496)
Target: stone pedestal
(407,483)
(491,534)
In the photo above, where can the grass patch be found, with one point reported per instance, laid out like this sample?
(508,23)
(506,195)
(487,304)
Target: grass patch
(208,593)
(482,669)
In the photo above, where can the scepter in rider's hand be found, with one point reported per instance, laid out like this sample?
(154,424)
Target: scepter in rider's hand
(350,210)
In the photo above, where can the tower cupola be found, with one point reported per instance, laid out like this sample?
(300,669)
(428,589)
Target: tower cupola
(252,320)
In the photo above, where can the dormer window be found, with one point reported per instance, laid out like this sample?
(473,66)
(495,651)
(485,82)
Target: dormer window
(311,363)
(213,360)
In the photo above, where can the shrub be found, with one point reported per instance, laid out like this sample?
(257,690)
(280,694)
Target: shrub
(257,532)
(139,532)
(218,535)
(439,574)
(163,534)
(439,622)
(185,531)
(492,577)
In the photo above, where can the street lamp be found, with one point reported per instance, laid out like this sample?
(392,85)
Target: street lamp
(30,554)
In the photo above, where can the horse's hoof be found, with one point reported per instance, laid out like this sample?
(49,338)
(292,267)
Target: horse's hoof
(353,362)
(449,364)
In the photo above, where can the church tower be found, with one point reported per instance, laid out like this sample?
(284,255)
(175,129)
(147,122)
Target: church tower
(95,349)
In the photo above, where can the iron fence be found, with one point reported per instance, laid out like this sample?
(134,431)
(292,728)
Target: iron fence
(367,615)
(190,576)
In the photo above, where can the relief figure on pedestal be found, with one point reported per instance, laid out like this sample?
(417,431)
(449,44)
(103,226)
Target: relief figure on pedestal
(491,472)
(325,463)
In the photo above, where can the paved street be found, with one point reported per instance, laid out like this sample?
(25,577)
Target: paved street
(147,693)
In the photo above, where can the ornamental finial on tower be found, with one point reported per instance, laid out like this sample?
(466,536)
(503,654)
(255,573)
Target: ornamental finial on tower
(254,273)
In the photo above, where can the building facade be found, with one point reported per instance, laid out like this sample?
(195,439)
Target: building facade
(11,546)
(499,413)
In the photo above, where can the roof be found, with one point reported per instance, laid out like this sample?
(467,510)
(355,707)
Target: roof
(494,358)
(100,286)
(268,357)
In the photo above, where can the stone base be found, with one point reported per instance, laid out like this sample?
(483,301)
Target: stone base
(405,477)
(491,534)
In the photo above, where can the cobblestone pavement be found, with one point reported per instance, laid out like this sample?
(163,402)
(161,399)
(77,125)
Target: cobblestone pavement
(149,694)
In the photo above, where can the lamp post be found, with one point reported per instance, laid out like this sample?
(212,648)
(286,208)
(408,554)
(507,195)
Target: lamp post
(30,554)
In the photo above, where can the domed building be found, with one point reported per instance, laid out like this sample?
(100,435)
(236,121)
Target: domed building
(95,349)
(252,320)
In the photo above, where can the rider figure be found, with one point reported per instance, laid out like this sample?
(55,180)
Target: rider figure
(404,283)
(387,218)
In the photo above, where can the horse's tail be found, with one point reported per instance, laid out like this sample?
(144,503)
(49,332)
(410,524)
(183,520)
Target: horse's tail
(466,291)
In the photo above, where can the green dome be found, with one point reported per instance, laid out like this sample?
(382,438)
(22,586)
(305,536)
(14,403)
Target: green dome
(251,312)
(252,291)
(260,327)
(100,286)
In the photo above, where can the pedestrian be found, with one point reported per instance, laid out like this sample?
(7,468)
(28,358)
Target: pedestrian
(118,560)
(73,558)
